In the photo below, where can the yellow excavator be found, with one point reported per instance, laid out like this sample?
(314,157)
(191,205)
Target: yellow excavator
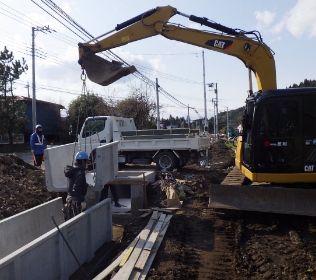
(276,150)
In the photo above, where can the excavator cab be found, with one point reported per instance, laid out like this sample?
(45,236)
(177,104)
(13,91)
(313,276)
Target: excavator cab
(102,71)
(277,153)
(279,135)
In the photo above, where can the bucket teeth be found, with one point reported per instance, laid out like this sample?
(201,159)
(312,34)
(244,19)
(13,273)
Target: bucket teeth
(103,72)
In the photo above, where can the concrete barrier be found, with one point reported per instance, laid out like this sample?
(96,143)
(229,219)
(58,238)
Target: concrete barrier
(56,158)
(24,227)
(137,181)
(48,257)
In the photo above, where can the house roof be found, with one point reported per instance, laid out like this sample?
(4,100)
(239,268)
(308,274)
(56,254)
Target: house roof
(28,99)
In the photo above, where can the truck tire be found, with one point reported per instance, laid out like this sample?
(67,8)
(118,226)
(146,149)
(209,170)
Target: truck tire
(166,160)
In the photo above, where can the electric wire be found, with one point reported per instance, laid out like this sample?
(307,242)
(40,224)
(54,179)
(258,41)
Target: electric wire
(56,19)
(108,53)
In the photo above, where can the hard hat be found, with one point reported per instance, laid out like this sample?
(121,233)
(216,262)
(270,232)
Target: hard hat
(38,126)
(82,155)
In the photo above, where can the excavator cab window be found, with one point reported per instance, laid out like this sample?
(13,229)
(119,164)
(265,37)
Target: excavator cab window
(277,130)
(278,120)
(93,126)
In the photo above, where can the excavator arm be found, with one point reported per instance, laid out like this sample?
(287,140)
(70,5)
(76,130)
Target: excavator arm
(256,55)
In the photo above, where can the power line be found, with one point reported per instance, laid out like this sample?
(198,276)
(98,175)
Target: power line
(56,19)
(71,41)
(83,31)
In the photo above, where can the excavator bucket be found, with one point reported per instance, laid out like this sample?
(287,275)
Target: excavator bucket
(262,198)
(103,72)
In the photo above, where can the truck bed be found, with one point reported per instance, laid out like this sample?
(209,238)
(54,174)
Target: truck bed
(144,143)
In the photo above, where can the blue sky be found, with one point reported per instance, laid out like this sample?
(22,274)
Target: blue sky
(287,27)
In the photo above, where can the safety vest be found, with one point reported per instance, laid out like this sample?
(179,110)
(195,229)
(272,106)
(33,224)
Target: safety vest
(40,141)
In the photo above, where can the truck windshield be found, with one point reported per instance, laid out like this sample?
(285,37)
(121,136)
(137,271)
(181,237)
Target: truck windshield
(93,126)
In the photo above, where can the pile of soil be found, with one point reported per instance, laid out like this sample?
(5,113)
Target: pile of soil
(22,186)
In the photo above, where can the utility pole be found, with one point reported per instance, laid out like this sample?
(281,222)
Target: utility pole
(28,89)
(216,105)
(227,131)
(42,29)
(158,116)
(204,85)
(216,110)
(214,101)
(188,116)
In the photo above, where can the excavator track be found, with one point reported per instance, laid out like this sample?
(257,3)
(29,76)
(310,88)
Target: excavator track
(235,178)
(238,193)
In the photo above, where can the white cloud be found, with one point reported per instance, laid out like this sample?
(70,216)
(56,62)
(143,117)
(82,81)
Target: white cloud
(264,18)
(66,7)
(299,20)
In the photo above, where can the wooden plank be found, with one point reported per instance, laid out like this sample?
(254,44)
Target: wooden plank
(129,251)
(116,263)
(126,270)
(142,259)
(161,209)
(154,215)
(136,273)
(127,182)
(146,214)
(153,236)
(153,253)
(149,243)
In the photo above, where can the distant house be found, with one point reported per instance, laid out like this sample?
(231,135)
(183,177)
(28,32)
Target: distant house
(47,114)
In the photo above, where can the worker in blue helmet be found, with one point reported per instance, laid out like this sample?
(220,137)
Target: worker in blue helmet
(38,145)
(76,185)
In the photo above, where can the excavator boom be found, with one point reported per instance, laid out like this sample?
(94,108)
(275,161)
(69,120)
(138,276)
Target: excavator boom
(252,52)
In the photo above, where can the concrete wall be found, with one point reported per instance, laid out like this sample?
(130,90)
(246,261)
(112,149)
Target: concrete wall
(137,192)
(48,257)
(24,227)
(56,158)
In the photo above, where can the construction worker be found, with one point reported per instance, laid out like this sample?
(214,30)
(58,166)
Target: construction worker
(76,185)
(105,191)
(38,145)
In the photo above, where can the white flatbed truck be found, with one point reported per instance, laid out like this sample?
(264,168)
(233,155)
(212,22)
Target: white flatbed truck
(168,148)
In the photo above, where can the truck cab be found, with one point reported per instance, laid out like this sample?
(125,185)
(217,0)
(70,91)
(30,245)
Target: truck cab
(100,130)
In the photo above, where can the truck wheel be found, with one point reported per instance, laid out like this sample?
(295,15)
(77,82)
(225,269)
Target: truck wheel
(166,160)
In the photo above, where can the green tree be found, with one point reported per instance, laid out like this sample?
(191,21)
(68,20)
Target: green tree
(86,106)
(305,83)
(12,112)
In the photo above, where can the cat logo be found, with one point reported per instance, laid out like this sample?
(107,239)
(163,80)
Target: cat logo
(220,44)
(309,168)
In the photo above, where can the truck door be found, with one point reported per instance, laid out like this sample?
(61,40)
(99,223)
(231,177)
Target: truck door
(92,134)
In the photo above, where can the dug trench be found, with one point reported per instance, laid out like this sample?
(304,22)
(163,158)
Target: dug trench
(200,243)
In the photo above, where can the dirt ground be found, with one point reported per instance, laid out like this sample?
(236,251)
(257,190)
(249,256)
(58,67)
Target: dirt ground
(200,243)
